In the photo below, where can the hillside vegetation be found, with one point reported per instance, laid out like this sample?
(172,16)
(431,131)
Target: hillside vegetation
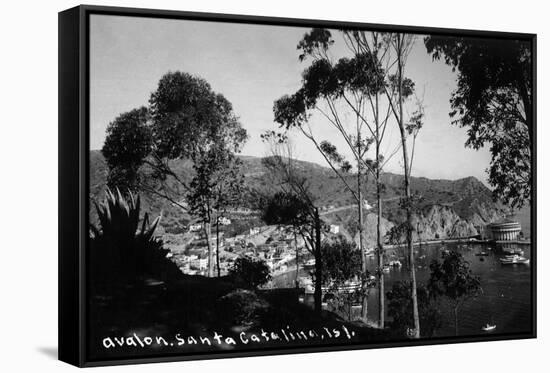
(446,208)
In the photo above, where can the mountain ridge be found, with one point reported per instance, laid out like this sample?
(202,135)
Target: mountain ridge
(445,208)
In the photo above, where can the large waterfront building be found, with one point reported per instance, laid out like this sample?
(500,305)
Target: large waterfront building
(507,230)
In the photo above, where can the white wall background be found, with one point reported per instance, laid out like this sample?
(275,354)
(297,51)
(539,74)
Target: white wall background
(28,186)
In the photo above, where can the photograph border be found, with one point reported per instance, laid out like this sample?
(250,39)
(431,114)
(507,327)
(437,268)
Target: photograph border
(74,109)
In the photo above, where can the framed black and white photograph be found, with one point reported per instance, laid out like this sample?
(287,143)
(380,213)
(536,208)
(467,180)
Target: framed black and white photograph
(236,186)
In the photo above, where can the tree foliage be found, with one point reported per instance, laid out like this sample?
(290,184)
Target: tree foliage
(347,92)
(361,74)
(216,186)
(285,208)
(341,269)
(294,204)
(341,262)
(127,144)
(493,100)
(250,272)
(186,120)
(453,279)
(189,118)
(400,309)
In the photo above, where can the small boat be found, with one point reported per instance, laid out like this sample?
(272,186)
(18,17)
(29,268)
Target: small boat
(482,253)
(514,252)
(488,327)
(514,259)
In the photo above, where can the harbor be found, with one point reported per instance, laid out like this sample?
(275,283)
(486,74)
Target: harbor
(506,289)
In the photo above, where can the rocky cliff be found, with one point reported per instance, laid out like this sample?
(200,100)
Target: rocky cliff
(431,223)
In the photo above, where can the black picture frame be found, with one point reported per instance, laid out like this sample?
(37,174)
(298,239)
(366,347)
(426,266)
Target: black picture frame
(74,205)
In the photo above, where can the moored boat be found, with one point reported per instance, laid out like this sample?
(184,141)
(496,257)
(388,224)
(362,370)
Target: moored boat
(482,253)
(514,252)
(488,327)
(514,259)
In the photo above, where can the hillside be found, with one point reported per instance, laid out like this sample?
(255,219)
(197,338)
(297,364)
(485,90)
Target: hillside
(448,208)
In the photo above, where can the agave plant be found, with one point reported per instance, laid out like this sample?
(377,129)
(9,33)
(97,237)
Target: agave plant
(120,246)
(119,219)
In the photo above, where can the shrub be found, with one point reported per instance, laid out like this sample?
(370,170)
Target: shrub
(242,306)
(121,247)
(250,272)
(341,264)
(400,309)
(452,279)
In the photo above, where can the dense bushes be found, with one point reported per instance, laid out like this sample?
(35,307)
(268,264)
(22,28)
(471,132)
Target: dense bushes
(249,272)
(400,309)
(343,276)
(242,307)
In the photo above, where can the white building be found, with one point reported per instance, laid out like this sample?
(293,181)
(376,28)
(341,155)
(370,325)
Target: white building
(366,205)
(200,264)
(334,229)
(195,227)
(505,231)
(224,221)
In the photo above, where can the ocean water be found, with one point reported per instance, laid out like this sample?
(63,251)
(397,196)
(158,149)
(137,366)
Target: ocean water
(505,300)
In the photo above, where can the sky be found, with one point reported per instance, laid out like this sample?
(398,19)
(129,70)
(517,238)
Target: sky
(252,66)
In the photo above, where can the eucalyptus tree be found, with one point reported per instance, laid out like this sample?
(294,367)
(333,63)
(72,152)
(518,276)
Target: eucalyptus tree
(493,100)
(351,86)
(186,122)
(288,208)
(293,204)
(399,90)
(216,186)
(283,174)
(452,278)
(377,47)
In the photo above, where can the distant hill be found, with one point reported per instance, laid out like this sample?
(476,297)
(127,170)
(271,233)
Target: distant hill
(460,205)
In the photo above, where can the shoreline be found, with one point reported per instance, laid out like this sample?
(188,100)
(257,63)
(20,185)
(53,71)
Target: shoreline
(419,243)
(459,240)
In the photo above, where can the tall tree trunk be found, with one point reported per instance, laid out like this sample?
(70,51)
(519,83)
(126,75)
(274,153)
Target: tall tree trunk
(296,281)
(408,199)
(318,293)
(208,233)
(456,320)
(527,106)
(364,299)
(218,247)
(379,243)
(380,252)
